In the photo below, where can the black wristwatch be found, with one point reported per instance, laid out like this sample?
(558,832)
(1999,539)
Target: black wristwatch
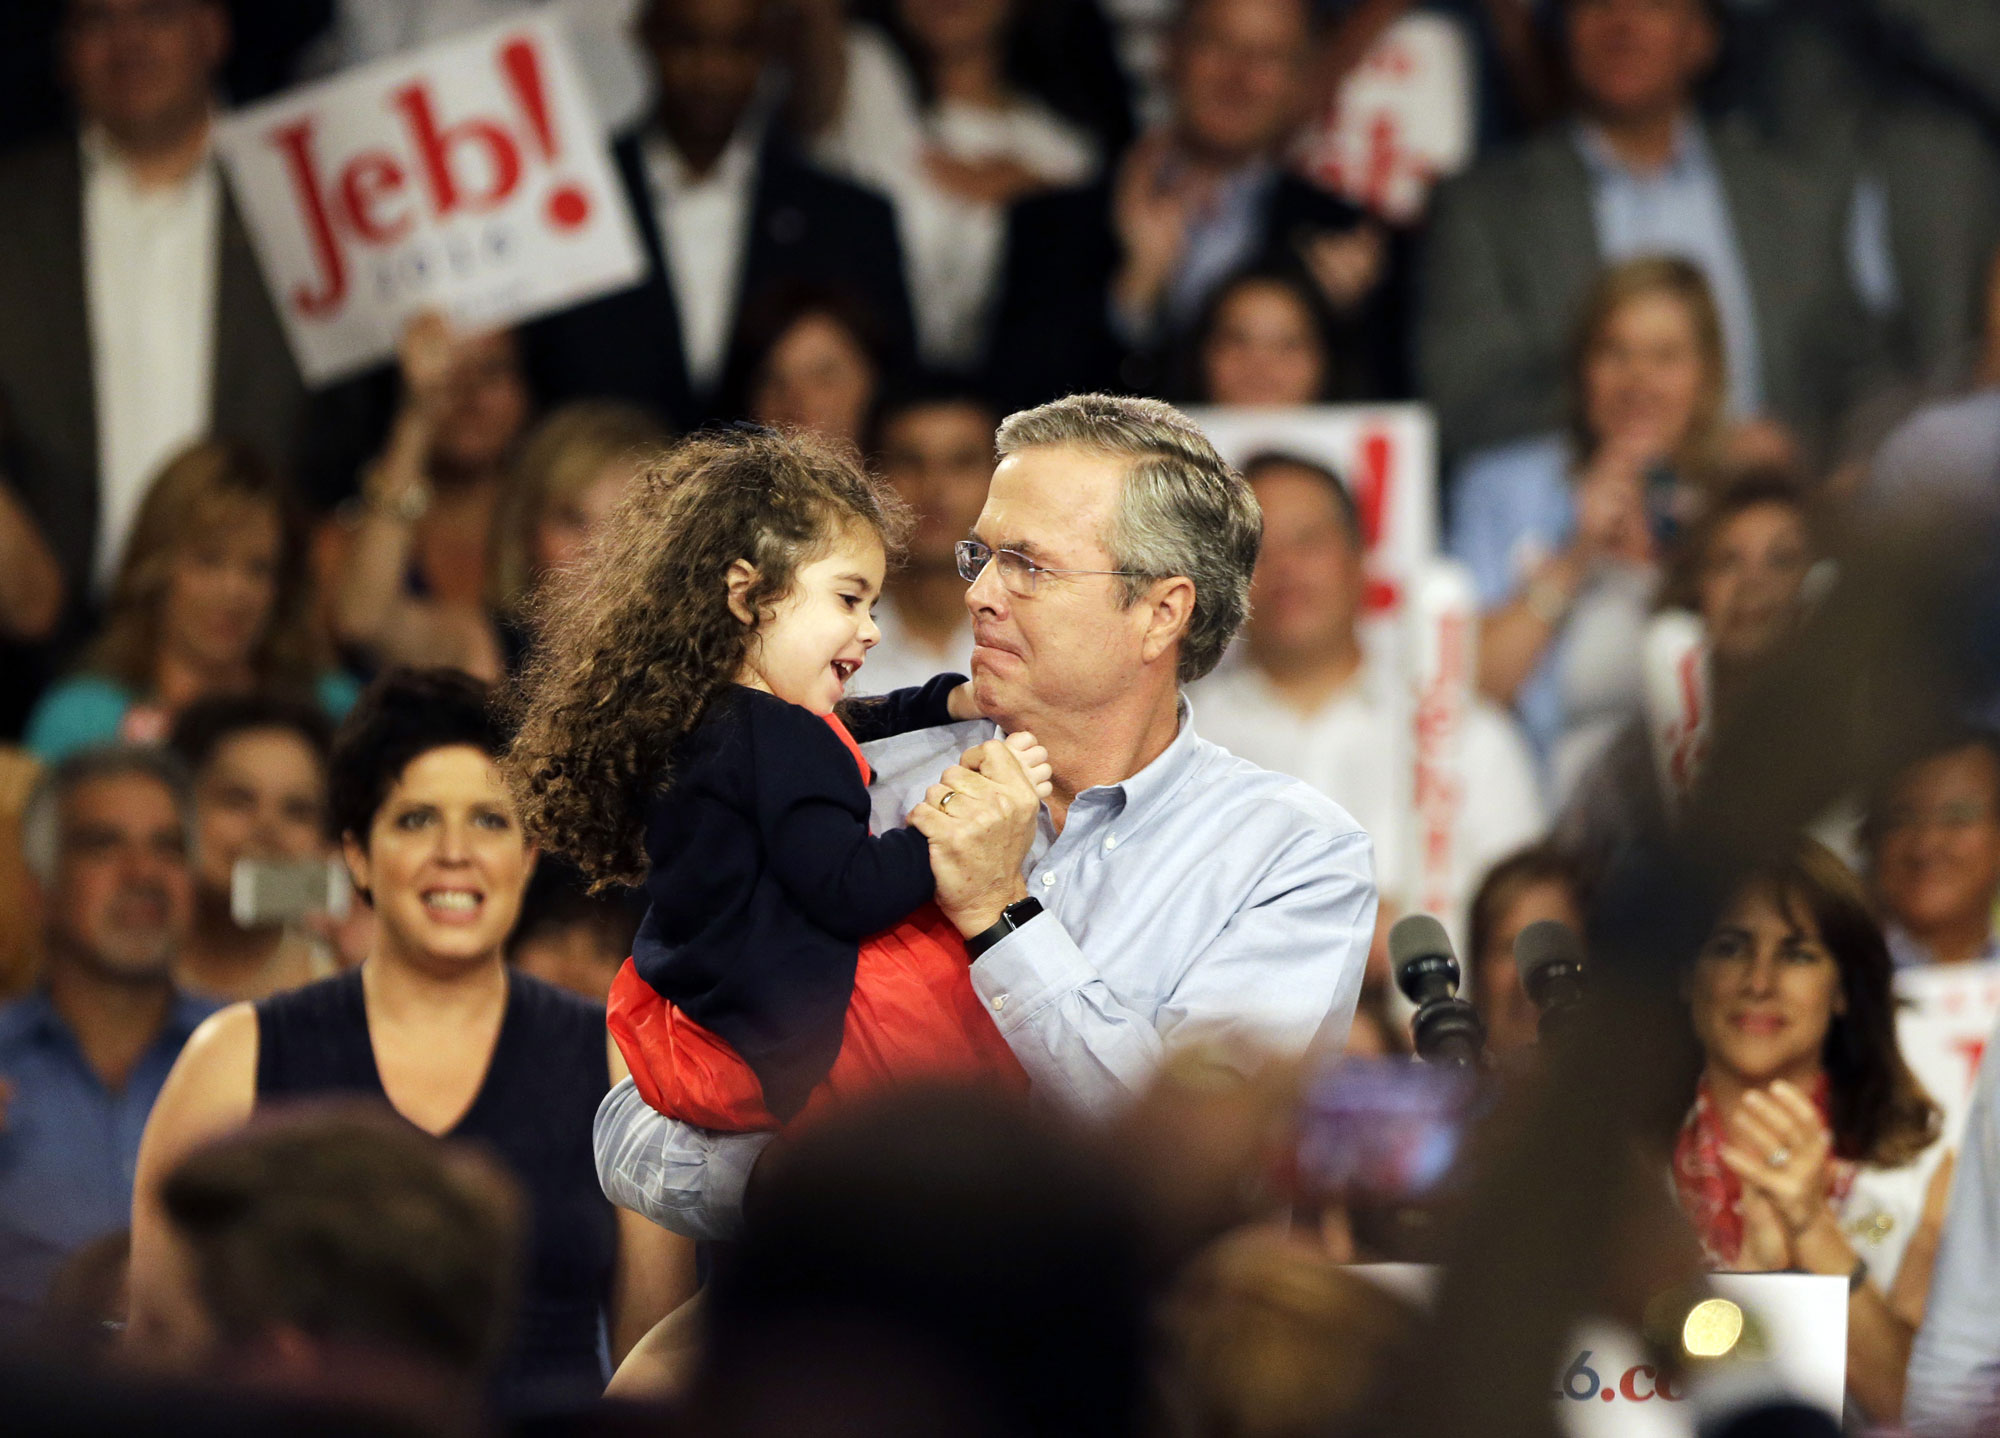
(1011,918)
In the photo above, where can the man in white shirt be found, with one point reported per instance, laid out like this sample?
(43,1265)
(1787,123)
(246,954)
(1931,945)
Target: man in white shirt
(934,443)
(136,318)
(729,212)
(1307,700)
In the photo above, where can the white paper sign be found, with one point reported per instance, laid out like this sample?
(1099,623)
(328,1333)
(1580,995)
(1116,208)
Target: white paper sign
(470,177)
(1443,615)
(1607,1389)
(1400,121)
(1387,454)
(1948,1015)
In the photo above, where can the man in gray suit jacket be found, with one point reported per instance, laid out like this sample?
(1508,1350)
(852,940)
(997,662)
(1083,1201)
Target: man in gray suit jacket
(133,318)
(1517,241)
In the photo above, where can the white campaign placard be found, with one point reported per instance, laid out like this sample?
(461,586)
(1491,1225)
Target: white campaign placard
(1944,1021)
(1387,454)
(1607,1389)
(1400,121)
(470,177)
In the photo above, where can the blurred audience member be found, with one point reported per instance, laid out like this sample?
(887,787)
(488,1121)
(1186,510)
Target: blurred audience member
(259,769)
(1264,340)
(107,834)
(1265,1335)
(1934,853)
(599,33)
(408,575)
(808,357)
(1310,704)
(212,597)
(31,582)
(934,443)
(137,321)
(929,114)
(1529,885)
(1944,452)
(1742,569)
(435,1026)
(339,1255)
(1515,242)
(1933,844)
(934,1261)
(571,938)
(1810,1146)
(1563,533)
(1121,269)
(573,469)
(727,210)
(20,928)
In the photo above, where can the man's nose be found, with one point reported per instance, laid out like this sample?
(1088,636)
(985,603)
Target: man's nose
(986,594)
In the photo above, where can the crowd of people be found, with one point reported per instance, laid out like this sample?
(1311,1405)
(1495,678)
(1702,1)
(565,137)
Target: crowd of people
(301,869)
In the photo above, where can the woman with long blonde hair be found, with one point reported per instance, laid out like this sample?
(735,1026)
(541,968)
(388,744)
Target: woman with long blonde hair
(211,597)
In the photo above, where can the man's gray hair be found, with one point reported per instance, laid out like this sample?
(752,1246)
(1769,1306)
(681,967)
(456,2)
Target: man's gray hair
(1183,511)
(41,818)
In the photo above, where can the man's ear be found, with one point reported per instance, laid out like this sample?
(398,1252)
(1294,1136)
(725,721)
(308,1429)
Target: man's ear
(742,574)
(1169,608)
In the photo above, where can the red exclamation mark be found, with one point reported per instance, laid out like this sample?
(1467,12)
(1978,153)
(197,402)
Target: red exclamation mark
(521,65)
(1371,494)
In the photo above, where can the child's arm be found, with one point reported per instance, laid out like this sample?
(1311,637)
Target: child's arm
(900,710)
(812,813)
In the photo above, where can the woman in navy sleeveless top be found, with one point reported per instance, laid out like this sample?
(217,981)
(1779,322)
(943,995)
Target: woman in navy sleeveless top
(437,1026)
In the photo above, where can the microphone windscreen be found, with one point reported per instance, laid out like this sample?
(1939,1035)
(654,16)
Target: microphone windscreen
(1417,936)
(1541,946)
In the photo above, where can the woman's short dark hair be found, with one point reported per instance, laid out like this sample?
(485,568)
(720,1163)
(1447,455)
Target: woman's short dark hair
(1192,381)
(1512,877)
(402,716)
(1879,1113)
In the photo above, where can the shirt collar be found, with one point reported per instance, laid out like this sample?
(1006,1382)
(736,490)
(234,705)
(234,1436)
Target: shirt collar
(1906,952)
(102,157)
(732,170)
(1689,157)
(1153,785)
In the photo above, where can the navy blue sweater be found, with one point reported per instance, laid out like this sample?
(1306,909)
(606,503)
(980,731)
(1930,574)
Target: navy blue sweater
(764,879)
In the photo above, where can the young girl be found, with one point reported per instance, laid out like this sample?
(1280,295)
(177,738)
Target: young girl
(679,729)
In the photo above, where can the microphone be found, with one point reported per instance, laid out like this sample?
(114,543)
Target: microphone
(1549,957)
(1445,1027)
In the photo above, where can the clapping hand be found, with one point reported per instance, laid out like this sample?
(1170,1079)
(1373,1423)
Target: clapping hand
(1780,1147)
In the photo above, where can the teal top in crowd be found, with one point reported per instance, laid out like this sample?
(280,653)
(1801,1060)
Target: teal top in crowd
(89,709)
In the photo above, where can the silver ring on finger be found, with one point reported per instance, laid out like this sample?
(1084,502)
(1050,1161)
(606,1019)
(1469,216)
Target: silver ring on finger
(1778,1157)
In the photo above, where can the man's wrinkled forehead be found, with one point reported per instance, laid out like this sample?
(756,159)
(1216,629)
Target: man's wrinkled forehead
(1052,500)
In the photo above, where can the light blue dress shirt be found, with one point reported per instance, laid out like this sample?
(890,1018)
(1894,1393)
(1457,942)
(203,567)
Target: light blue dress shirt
(1201,898)
(1680,209)
(1954,1374)
(69,1146)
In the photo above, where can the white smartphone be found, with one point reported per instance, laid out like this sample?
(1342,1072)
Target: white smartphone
(264,892)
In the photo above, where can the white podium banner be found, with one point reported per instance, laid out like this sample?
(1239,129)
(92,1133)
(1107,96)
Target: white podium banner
(470,177)
(1607,1389)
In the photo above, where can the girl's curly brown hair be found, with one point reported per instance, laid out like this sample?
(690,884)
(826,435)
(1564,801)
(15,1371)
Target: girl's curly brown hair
(635,641)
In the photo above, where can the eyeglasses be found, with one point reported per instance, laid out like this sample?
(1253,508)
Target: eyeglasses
(1018,573)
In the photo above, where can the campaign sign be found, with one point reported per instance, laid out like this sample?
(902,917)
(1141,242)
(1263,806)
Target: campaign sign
(1796,1323)
(1946,1014)
(1401,120)
(470,177)
(1386,454)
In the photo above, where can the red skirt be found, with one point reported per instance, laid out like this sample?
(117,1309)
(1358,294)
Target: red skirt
(913,1015)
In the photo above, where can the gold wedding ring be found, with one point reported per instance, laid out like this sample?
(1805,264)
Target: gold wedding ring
(945,802)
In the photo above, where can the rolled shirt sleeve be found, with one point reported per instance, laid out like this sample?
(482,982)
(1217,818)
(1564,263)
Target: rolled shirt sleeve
(1954,1374)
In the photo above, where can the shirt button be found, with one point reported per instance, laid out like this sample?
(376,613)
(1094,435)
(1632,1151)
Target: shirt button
(1048,879)
(1110,841)
(999,1002)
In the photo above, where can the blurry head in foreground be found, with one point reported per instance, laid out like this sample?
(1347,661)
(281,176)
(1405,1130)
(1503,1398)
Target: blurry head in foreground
(338,1253)
(938,1260)
(1539,882)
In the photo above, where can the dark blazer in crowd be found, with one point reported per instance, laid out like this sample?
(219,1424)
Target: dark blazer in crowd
(1053,333)
(805,225)
(46,376)
(1513,249)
